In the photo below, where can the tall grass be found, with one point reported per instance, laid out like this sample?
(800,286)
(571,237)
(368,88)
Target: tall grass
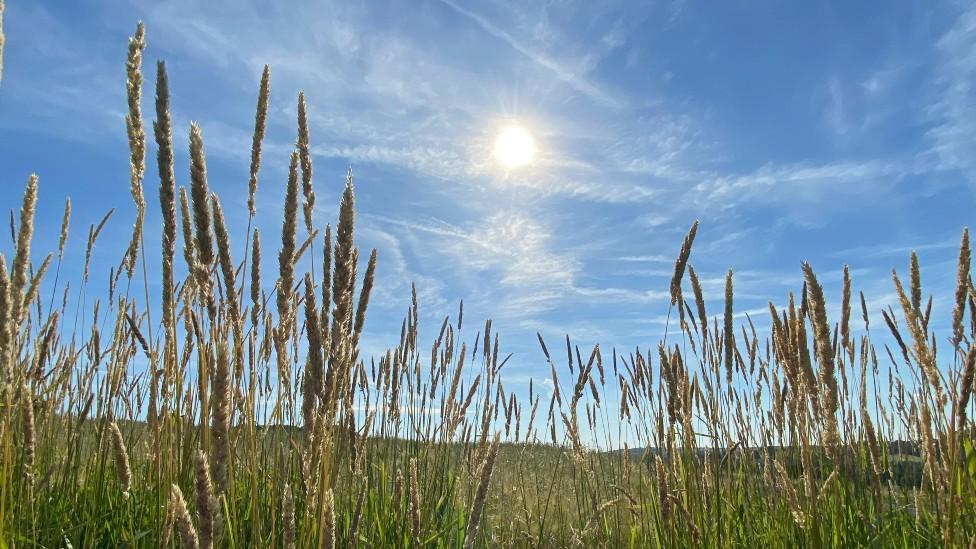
(220,420)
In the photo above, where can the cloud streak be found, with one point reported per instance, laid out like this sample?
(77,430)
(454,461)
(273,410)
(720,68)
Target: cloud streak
(572,78)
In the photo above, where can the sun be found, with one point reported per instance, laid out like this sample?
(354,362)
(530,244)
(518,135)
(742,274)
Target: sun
(514,147)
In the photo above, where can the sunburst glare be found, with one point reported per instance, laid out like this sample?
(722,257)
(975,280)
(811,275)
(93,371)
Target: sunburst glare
(514,147)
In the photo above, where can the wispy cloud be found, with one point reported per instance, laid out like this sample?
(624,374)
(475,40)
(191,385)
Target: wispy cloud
(645,115)
(571,77)
(836,113)
(394,275)
(800,177)
(955,111)
(895,250)
(533,274)
(647,258)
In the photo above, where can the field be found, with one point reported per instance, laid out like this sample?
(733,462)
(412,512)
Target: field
(231,411)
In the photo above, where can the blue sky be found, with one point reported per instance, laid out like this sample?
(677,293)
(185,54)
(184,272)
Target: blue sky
(834,132)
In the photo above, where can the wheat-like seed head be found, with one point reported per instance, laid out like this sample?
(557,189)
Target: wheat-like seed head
(189,248)
(6,319)
(357,513)
(163,134)
(65,220)
(35,281)
(825,356)
(200,195)
(699,303)
(680,262)
(845,310)
(21,261)
(122,470)
(874,446)
(923,352)
(342,279)
(286,270)
(302,145)
(327,534)
(255,278)
(728,337)
(205,501)
(184,524)
(260,118)
(786,486)
(805,379)
(287,519)
(312,380)
(663,492)
(364,293)
(478,504)
(226,267)
(220,427)
(962,287)
(133,119)
(137,140)
(326,287)
(915,283)
(689,521)
(965,388)
(930,451)
(414,501)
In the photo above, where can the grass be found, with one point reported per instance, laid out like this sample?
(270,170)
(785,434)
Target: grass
(234,412)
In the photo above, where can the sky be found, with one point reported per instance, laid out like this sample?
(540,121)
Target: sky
(829,132)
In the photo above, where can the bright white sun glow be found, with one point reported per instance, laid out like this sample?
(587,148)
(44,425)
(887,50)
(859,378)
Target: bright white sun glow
(514,147)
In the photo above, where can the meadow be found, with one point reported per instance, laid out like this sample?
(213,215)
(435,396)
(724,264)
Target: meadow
(231,411)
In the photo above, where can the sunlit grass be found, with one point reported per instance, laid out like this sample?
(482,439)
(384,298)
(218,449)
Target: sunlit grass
(258,423)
